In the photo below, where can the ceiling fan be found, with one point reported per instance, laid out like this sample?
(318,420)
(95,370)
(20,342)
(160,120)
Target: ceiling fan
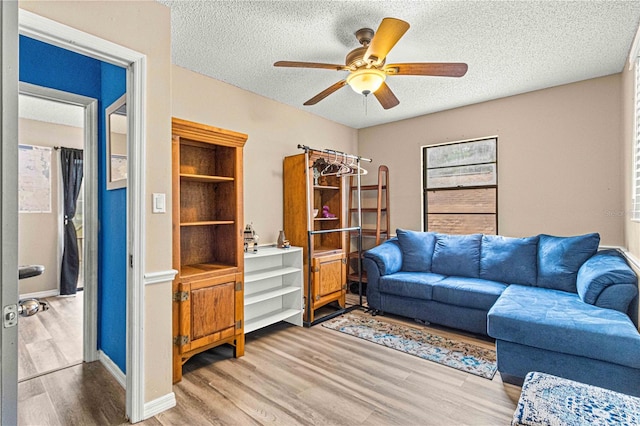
(367,68)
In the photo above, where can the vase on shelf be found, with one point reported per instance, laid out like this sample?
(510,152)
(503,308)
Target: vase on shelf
(281,239)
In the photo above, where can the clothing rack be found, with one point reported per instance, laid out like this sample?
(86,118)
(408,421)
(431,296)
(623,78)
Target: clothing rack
(357,228)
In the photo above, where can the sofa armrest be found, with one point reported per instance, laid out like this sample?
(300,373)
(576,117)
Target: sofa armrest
(387,257)
(606,280)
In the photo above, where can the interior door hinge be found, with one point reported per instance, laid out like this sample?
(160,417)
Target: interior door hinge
(238,285)
(180,340)
(180,296)
(130,261)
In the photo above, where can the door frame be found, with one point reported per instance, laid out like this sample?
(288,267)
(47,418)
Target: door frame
(9,209)
(60,35)
(90,246)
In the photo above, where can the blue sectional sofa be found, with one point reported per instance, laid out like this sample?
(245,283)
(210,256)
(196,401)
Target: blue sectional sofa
(552,304)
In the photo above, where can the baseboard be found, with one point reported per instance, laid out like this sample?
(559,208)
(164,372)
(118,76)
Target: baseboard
(112,368)
(40,294)
(159,405)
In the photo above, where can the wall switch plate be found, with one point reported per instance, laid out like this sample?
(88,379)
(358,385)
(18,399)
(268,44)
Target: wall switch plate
(159,204)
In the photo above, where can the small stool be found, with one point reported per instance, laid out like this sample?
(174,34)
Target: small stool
(551,400)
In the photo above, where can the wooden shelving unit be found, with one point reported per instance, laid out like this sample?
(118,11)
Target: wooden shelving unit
(375,233)
(325,272)
(207,244)
(273,287)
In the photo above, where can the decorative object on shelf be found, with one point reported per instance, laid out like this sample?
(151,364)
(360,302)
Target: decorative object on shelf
(326,213)
(282,239)
(315,212)
(250,238)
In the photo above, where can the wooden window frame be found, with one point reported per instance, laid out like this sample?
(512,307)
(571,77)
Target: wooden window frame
(635,169)
(426,190)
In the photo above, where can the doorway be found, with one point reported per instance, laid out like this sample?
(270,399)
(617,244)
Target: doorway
(48,121)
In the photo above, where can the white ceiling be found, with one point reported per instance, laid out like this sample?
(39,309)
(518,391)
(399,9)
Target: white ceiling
(49,111)
(511,47)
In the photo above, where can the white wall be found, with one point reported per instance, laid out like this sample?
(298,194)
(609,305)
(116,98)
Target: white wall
(560,156)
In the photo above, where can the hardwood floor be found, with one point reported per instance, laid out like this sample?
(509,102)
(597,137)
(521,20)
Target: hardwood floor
(50,339)
(288,376)
(293,375)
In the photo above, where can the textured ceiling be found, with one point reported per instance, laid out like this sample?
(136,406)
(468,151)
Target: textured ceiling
(511,47)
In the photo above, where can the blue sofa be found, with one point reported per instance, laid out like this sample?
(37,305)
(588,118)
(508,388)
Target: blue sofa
(552,304)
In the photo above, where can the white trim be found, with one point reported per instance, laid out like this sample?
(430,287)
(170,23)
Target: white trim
(66,37)
(635,49)
(39,294)
(136,96)
(112,368)
(61,35)
(9,207)
(159,405)
(90,255)
(159,277)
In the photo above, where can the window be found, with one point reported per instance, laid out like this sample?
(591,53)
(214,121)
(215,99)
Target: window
(460,187)
(635,185)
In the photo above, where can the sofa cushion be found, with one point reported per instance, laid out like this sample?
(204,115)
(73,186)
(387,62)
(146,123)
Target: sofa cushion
(606,280)
(559,321)
(457,255)
(560,258)
(509,260)
(468,292)
(417,285)
(417,249)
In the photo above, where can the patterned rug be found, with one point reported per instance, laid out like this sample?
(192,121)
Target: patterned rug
(459,355)
(551,400)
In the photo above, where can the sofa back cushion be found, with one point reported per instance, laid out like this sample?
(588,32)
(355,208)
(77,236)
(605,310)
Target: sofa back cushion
(457,255)
(417,249)
(606,280)
(560,258)
(509,260)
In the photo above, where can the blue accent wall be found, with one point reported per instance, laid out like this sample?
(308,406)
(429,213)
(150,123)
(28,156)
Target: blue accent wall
(49,66)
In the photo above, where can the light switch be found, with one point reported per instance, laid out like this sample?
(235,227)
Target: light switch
(159,203)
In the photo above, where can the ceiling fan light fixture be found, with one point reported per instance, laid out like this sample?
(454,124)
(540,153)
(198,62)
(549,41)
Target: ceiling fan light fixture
(366,80)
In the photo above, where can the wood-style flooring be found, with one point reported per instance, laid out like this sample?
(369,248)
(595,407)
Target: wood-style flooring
(288,376)
(51,339)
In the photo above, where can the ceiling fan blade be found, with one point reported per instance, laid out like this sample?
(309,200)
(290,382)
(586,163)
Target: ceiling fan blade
(295,64)
(440,69)
(388,34)
(385,96)
(326,92)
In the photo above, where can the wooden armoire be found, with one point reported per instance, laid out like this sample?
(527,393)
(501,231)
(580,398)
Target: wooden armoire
(207,240)
(304,199)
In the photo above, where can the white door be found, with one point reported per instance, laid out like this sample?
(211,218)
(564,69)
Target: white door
(9,212)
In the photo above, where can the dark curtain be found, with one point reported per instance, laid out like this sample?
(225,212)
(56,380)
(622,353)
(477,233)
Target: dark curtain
(71,163)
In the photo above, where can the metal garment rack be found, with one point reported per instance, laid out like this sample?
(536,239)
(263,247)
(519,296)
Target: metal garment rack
(311,232)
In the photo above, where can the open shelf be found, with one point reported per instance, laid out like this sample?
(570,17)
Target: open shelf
(250,299)
(208,222)
(204,268)
(205,178)
(270,318)
(321,187)
(264,274)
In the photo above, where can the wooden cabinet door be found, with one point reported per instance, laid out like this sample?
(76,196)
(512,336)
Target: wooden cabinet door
(328,274)
(209,312)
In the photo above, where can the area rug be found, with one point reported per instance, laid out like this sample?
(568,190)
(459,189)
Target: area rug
(456,354)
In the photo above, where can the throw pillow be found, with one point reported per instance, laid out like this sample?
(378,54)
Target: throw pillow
(417,249)
(457,255)
(560,258)
(509,260)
